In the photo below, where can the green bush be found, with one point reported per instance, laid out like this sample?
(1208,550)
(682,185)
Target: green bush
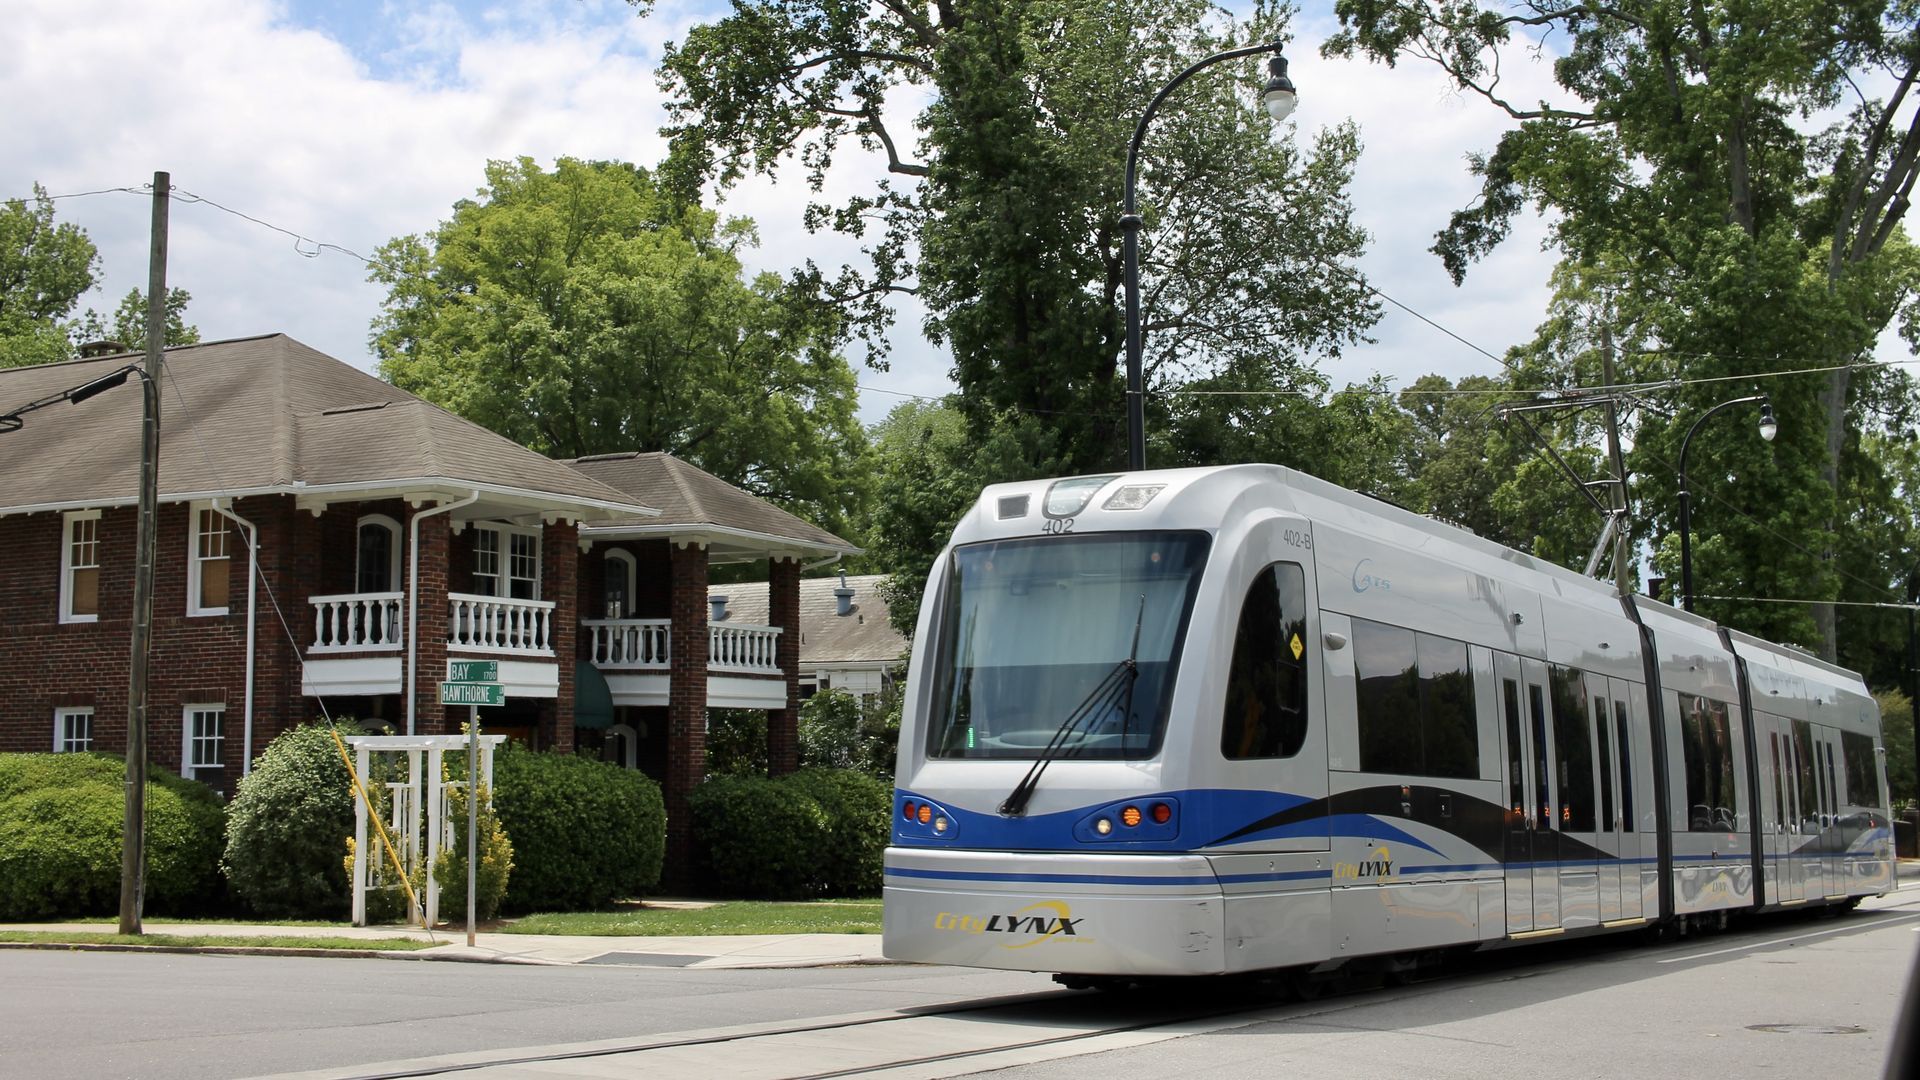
(288,824)
(585,833)
(496,861)
(838,731)
(736,742)
(60,834)
(819,832)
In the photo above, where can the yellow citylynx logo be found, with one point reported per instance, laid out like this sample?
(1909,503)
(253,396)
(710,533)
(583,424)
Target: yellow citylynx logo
(1378,865)
(1044,921)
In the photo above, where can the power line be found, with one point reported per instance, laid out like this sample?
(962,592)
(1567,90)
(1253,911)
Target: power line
(1835,603)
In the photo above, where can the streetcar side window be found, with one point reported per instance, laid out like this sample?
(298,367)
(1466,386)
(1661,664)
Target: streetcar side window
(1573,746)
(1630,818)
(1516,775)
(1266,711)
(1607,821)
(1707,745)
(1863,782)
(1415,703)
(1809,822)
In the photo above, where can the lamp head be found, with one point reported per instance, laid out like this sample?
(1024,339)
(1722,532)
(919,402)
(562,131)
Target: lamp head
(1279,96)
(1769,427)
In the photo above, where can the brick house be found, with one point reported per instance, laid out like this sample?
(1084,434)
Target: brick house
(846,639)
(389,535)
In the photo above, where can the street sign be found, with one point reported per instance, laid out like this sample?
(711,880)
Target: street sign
(472,693)
(473,671)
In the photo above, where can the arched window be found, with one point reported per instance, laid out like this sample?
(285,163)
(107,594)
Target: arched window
(377,565)
(620,583)
(622,747)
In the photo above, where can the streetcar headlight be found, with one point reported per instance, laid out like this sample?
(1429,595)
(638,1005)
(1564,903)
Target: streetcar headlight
(939,824)
(1066,498)
(1103,826)
(1132,497)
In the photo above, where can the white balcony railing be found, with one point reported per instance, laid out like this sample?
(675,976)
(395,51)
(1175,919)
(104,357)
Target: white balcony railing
(629,644)
(356,622)
(735,647)
(642,645)
(498,624)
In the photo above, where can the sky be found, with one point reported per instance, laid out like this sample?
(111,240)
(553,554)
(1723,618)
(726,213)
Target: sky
(350,122)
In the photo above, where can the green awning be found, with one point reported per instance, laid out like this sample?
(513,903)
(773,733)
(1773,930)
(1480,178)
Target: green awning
(592,700)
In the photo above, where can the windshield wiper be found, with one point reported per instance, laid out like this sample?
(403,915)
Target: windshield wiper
(1112,688)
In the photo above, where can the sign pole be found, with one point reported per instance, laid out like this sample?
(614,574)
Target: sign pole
(473,811)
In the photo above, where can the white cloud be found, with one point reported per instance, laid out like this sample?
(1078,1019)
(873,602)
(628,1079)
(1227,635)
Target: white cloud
(353,138)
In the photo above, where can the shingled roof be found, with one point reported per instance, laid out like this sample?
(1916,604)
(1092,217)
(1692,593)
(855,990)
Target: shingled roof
(263,415)
(863,635)
(694,501)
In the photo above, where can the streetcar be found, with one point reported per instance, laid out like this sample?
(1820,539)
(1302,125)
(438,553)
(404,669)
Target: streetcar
(1225,720)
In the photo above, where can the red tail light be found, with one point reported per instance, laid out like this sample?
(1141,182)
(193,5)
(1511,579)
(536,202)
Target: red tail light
(1162,813)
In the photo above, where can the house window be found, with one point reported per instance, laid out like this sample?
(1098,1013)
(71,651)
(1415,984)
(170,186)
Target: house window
(207,562)
(620,572)
(205,738)
(80,567)
(377,568)
(72,731)
(518,573)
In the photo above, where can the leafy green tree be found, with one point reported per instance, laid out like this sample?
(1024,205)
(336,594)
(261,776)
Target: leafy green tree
(129,323)
(1896,732)
(1678,157)
(584,311)
(44,270)
(1000,207)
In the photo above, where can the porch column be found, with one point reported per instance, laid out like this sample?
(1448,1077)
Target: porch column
(783,611)
(430,640)
(686,705)
(560,551)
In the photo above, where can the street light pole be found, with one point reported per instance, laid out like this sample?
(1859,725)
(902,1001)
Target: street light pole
(1768,428)
(1279,98)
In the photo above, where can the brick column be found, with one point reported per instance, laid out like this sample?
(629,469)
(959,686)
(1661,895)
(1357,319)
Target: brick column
(783,611)
(430,633)
(686,706)
(560,551)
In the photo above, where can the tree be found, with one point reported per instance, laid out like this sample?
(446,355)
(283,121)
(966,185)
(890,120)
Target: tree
(1678,158)
(44,270)
(1000,207)
(584,311)
(129,325)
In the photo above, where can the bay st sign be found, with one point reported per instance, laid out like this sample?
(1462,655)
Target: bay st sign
(473,682)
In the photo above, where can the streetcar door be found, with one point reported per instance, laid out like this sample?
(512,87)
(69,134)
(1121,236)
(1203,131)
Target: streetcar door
(1628,795)
(1519,805)
(1806,819)
(1606,826)
(1546,834)
(1832,844)
(1272,736)
(1776,755)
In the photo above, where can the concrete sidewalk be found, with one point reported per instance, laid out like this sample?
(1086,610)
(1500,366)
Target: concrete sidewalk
(719,951)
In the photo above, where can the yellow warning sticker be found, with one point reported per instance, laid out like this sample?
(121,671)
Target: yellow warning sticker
(1297,647)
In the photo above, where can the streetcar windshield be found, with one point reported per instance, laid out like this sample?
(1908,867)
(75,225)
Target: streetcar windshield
(1031,627)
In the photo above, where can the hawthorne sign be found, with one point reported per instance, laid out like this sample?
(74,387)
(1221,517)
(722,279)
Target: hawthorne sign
(473,682)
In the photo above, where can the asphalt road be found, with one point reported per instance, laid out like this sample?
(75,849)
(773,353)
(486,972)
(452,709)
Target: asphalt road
(1803,997)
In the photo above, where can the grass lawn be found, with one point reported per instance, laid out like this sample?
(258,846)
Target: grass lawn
(738,917)
(268,941)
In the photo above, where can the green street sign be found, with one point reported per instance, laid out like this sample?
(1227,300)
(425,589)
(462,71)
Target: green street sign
(472,693)
(473,671)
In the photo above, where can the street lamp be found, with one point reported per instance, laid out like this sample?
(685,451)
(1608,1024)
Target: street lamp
(1769,427)
(1279,97)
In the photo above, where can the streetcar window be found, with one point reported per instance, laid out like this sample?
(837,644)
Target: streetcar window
(1415,703)
(1629,818)
(1832,791)
(1516,785)
(1573,746)
(1607,820)
(1706,744)
(1266,711)
(1809,822)
(1031,629)
(1539,708)
(1863,780)
(1779,794)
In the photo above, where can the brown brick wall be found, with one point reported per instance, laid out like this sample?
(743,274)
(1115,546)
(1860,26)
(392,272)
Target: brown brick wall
(783,610)
(430,647)
(559,572)
(686,708)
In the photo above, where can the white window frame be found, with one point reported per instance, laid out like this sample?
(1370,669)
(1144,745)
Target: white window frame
(393,549)
(67,566)
(620,561)
(188,743)
(62,744)
(503,576)
(195,514)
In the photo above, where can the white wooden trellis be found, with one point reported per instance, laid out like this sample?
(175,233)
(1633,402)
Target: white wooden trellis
(424,755)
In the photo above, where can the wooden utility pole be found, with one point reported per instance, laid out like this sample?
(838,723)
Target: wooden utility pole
(1622,579)
(133,836)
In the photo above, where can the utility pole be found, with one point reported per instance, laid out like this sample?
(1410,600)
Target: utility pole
(133,836)
(1622,580)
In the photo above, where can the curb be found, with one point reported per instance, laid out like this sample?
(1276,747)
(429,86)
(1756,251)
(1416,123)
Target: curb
(215,950)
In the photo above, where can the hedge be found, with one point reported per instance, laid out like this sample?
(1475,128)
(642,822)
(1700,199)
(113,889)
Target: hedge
(818,832)
(585,833)
(60,837)
(288,825)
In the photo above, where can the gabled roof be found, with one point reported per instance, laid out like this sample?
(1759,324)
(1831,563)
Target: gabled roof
(694,501)
(863,635)
(263,415)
